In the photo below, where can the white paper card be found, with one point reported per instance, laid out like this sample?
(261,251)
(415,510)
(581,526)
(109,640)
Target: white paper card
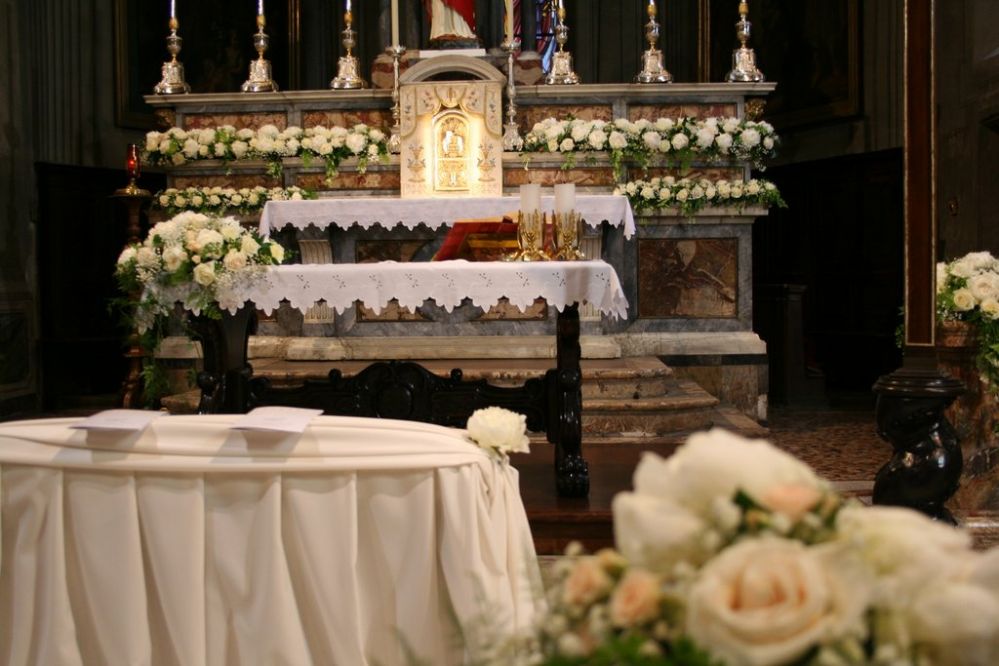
(119,419)
(280,419)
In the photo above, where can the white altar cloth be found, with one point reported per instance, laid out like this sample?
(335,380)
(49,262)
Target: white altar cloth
(389,212)
(448,283)
(196,544)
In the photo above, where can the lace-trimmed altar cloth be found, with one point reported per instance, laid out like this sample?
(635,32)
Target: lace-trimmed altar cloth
(434,213)
(448,283)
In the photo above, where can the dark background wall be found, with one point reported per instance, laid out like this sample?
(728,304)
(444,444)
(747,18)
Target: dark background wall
(63,136)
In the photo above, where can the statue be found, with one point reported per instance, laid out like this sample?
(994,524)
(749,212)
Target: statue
(452,23)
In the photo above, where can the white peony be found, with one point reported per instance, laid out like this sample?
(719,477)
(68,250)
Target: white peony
(680,141)
(652,140)
(768,143)
(173,257)
(499,429)
(618,140)
(770,601)
(750,138)
(705,137)
(147,258)
(191,148)
(239,149)
(664,124)
(724,141)
(204,274)
(598,138)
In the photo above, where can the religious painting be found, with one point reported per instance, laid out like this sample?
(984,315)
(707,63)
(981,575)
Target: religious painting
(691,278)
(451,159)
(811,50)
(216,53)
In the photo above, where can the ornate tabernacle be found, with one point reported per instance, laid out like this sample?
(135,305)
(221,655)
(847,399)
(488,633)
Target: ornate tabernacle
(686,272)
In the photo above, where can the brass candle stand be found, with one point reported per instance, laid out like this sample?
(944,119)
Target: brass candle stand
(744,68)
(260,69)
(653,70)
(567,229)
(172,73)
(348,69)
(512,140)
(561,73)
(530,237)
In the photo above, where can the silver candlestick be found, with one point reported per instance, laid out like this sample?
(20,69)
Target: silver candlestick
(511,136)
(395,139)
(561,73)
(653,70)
(260,69)
(172,81)
(348,70)
(744,68)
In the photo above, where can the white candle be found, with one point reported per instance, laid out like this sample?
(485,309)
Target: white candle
(530,198)
(508,23)
(565,198)
(260,7)
(348,5)
(173,8)
(395,22)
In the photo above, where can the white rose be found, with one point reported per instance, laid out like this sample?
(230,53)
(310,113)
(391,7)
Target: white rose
(904,548)
(682,194)
(153,141)
(730,125)
(239,149)
(990,307)
(652,140)
(752,188)
(173,257)
(696,192)
(962,268)
(553,132)
(296,196)
(127,255)
(277,252)
(580,131)
(197,200)
(964,300)
(236,199)
(768,143)
(657,533)
(705,137)
(191,148)
(499,429)
(618,140)
(253,199)
(164,200)
(631,188)
(567,145)
(984,285)
(750,138)
(724,141)
(147,258)
(177,159)
(234,260)
(249,246)
(214,200)
(980,260)
(648,192)
(204,274)
(717,463)
(597,139)
(941,277)
(377,135)
(770,601)
(207,237)
(664,124)
(680,141)
(180,201)
(956,622)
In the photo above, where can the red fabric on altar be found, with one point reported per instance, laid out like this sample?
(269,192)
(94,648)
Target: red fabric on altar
(465,9)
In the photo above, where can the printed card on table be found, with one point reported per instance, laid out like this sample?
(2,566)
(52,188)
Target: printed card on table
(277,419)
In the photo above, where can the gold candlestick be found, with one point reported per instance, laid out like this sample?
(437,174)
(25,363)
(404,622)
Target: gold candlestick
(348,75)
(653,70)
(566,232)
(530,237)
(172,73)
(260,69)
(744,68)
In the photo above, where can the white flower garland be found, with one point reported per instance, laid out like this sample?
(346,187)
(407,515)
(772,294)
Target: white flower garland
(679,141)
(968,290)
(177,146)
(221,200)
(689,195)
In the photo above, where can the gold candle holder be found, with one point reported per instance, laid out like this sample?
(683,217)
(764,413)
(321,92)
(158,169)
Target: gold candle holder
(653,70)
(744,69)
(172,73)
(260,69)
(567,229)
(348,69)
(530,237)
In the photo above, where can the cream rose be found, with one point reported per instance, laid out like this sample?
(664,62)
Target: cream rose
(586,583)
(964,300)
(990,307)
(792,500)
(204,274)
(636,598)
(173,257)
(957,623)
(767,602)
(499,429)
(234,260)
(656,533)
(277,252)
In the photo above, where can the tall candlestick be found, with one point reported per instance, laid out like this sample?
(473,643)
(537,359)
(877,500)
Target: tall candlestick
(395,22)
(508,21)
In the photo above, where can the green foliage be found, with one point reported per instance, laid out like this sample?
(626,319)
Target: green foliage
(632,650)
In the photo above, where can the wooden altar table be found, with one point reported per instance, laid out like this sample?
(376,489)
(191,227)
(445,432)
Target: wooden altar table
(406,390)
(193,543)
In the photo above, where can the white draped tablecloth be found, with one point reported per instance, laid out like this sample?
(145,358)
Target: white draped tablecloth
(448,283)
(195,544)
(390,212)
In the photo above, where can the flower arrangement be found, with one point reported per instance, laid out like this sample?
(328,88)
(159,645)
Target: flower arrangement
(191,258)
(968,290)
(499,431)
(732,552)
(221,200)
(689,196)
(177,146)
(678,141)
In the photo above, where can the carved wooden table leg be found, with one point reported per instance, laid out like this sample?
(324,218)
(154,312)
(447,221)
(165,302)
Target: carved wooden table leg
(565,431)
(225,381)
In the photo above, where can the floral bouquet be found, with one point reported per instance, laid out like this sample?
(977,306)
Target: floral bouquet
(664,140)
(689,196)
(732,552)
(193,258)
(968,290)
(335,144)
(220,200)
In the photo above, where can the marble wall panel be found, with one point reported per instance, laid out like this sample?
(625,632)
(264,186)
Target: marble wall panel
(528,115)
(693,110)
(548,176)
(712,173)
(696,277)
(381,118)
(349,180)
(237,180)
(238,120)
